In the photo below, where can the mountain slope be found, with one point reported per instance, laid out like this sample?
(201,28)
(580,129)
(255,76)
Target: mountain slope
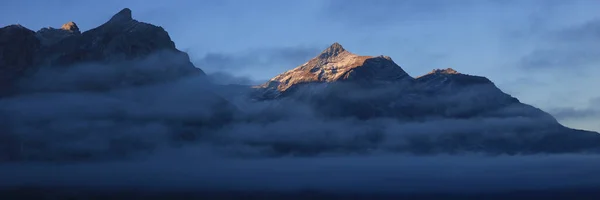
(336,64)
(343,79)
(118,89)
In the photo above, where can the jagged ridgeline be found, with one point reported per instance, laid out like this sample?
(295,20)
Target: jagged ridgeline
(122,40)
(119,88)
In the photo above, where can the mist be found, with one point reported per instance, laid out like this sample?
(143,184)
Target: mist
(198,169)
(82,127)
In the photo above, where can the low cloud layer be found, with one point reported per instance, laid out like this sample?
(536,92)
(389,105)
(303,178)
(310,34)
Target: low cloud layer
(87,114)
(590,111)
(571,48)
(182,134)
(223,78)
(196,169)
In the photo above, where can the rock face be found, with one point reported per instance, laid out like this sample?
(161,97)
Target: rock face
(121,39)
(338,84)
(335,64)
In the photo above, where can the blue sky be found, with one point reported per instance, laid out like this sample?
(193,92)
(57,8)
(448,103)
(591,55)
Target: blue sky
(544,52)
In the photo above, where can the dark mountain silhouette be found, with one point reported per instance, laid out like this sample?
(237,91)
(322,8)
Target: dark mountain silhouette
(18,48)
(124,72)
(122,40)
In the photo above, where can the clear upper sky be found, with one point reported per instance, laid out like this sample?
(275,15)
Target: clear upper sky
(544,52)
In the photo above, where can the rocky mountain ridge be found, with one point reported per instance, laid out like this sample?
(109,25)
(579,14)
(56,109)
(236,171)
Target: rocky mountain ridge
(121,39)
(337,64)
(50,36)
(367,88)
(338,74)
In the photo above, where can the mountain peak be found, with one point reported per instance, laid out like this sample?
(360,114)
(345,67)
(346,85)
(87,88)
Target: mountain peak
(122,16)
(438,72)
(336,64)
(14,27)
(70,26)
(334,50)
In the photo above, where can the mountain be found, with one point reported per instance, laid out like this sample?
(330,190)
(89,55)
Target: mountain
(138,50)
(350,82)
(127,86)
(340,84)
(119,85)
(336,64)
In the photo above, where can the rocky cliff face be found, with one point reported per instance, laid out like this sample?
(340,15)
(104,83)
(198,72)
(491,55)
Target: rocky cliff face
(336,64)
(121,41)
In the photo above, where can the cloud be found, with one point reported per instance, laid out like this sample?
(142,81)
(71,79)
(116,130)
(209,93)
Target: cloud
(197,170)
(574,47)
(258,63)
(591,111)
(97,110)
(515,86)
(572,113)
(222,78)
(71,119)
(159,67)
(78,124)
(181,134)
